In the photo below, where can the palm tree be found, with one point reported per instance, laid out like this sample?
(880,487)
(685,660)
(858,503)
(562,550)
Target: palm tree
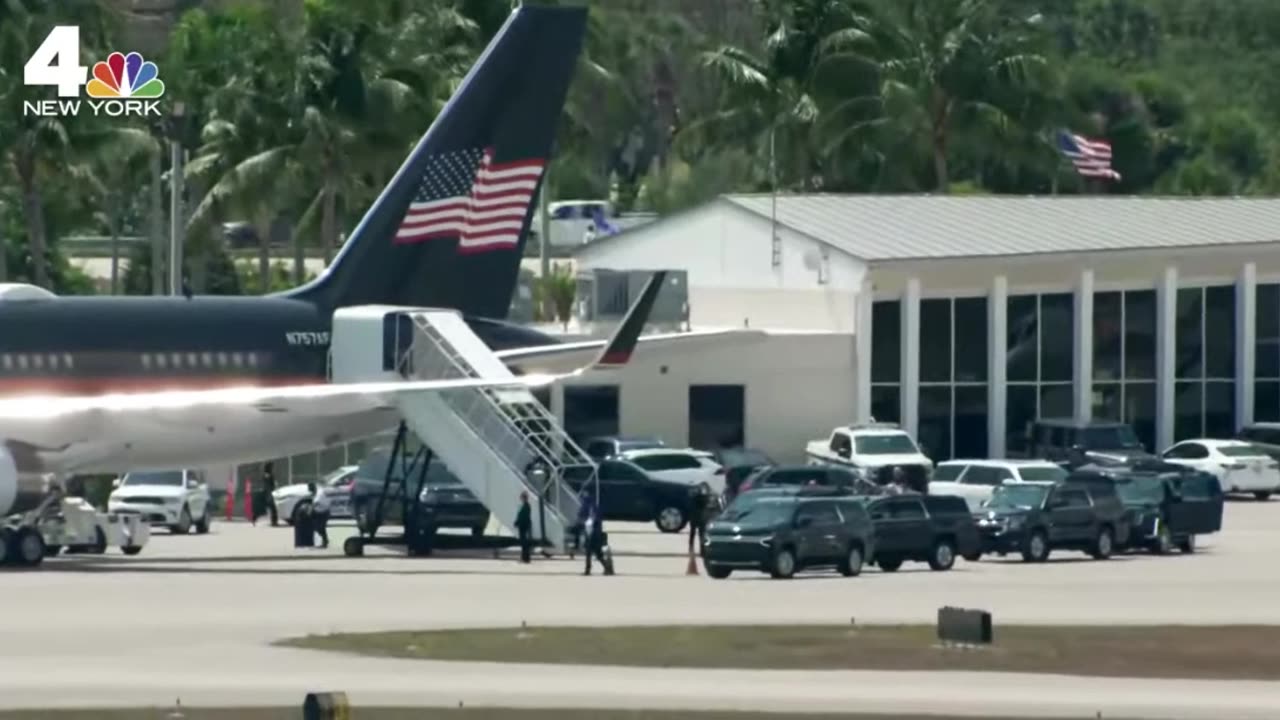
(121,156)
(941,64)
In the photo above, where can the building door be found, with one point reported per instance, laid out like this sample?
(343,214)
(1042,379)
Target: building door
(590,411)
(717,416)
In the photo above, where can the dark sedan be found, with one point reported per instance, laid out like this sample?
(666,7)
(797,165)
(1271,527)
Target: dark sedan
(446,501)
(629,494)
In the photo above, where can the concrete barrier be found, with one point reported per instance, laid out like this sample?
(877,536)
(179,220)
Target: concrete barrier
(969,627)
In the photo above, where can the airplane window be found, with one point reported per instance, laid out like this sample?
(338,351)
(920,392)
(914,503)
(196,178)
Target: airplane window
(161,360)
(237,359)
(67,361)
(22,362)
(53,362)
(146,361)
(222,359)
(191,360)
(8,362)
(176,360)
(253,359)
(37,361)
(206,359)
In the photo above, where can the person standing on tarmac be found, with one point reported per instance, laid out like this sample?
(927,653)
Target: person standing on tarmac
(597,541)
(524,528)
(268,488)
(586,500)
(319,514)
(698,510)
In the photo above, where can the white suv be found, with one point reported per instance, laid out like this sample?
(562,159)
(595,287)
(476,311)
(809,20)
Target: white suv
(178,499)
(976,480)
(686,466)
(873,451)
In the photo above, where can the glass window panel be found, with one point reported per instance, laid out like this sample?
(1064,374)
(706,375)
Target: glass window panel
(590,411)
(1220,409)
(1266,401)
(934,434)
(1140,412)
(1220,331)
(1267,329)
(971,422)
(886,403)
(1140,334)
(1188,412)
(1022,346)
(971,340)
(1190,338)
(935,334)
(1019,412)
(1107,401)
(1056,336)
(717,416)
(886,341)
(1055,401)
(1107,334)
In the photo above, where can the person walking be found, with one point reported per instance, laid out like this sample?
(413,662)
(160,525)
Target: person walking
(699,509)
(524,528)
(597,543)
(268,488)
(586,500)
(319,514)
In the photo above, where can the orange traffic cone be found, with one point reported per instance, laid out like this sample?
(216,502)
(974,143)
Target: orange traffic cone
(692,569)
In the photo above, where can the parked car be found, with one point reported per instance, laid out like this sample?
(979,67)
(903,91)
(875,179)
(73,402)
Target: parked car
(1239,466)
(809,475)
(687,466)
(336,487)
(974,480)
(786,533)
(737,464)
(1171,504)
(177,499)
(1072,444)
(446,502)
(1265,435)
(629,494)
(923,528)
(1036,518)
(874,451)
(602,448)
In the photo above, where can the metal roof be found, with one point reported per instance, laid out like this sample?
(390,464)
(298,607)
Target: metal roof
(907,227)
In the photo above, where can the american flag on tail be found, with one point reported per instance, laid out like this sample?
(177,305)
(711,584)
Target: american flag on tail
(465,195)
(1092,158)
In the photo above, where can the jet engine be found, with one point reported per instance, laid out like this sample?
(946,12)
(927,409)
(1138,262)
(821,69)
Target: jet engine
(18,493)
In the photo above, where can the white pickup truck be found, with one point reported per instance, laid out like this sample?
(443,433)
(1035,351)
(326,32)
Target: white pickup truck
(975,480)
(873,451)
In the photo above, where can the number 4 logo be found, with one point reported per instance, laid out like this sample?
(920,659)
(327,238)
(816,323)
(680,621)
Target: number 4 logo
(63,46)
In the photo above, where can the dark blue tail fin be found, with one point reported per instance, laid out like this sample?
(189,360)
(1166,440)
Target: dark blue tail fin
(449,230)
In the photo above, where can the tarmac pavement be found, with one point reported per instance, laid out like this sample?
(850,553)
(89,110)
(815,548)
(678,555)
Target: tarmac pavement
(193,616)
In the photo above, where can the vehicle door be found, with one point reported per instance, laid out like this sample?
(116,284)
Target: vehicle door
(911,529)
(339,493)
(1070,515)
(823,534)
(197,493)
(1198,509)
(625,492)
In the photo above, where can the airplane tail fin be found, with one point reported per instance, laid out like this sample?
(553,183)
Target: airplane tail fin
(617,352)
(449,229)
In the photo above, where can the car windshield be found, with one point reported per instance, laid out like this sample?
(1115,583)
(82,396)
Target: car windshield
(1043,473)
(1024,497)
(761,514)
(1241,451)
(336,477)
(1141,490)
(895,444)
(1109,437)
(947,473)
(738,457)
(163,477)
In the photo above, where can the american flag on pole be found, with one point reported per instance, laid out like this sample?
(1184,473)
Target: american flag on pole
(1092,158)
(465,195)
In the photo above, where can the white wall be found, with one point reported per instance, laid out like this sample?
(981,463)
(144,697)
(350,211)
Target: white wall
(728,256)
(798,386)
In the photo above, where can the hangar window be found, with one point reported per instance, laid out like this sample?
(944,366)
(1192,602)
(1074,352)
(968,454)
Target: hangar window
(1204,391)
(590,411)
(952,407)
(1266,391)
(717,416)
(886,360)
(1039,361)
(1124,360)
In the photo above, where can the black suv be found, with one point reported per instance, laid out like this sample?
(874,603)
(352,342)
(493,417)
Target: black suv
(1170,504)
(445,501)
(1036,518)
(738,464)
(1072,444)
(629,494)
(923,528)
(789,531)
(810,475)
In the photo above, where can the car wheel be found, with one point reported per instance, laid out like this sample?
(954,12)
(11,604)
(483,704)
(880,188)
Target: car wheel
(1037,547)
(784,564)
(352,547)
(1163,542)
(889,563)
(27,547)
(943,555)
(202,525)
(719,572)
(1103,545)
(183,526)
(851,565)
(1262,496)
(670,520)
(131,550)
(1188,545)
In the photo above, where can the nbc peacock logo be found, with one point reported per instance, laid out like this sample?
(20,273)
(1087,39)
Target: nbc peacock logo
(125,76)
(125,84)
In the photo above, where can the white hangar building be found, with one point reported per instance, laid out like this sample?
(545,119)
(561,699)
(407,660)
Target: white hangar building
(962,318)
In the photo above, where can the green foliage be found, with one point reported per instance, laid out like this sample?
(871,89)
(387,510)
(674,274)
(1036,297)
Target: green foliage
(281,275)
(221,276)
(558,290)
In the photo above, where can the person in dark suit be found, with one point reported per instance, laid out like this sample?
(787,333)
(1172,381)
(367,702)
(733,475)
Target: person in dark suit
(524,528)
(269,487)
(597,541)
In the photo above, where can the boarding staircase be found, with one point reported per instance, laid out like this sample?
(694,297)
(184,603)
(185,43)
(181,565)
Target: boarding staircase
(490,437)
